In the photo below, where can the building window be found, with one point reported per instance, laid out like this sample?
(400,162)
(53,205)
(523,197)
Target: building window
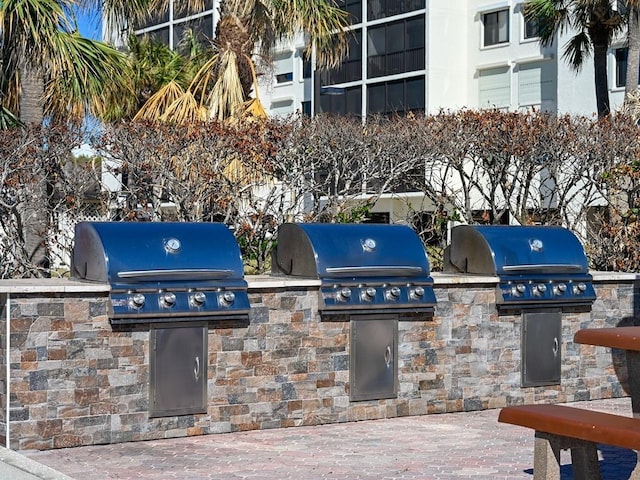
(182,9)
(495,27)
(531,27)
(284,77)
(202,28)
(536,85)
(282,108)
(306,67)
(396,47)
(158,16)
(351,67)
(159,35)
(386,8)
(306,108)
(283,65)
(401,96)
(347,101)
(353,8)
(621,55)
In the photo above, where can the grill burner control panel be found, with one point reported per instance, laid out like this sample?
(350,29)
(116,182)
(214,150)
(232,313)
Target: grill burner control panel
(341,297)
(546,290)
(147,303)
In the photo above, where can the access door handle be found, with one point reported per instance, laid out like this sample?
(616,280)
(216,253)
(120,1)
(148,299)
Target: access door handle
(196,370)
(387,356)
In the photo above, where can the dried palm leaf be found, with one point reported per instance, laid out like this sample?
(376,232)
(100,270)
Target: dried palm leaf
(226,97)
(159,102)
(186,109)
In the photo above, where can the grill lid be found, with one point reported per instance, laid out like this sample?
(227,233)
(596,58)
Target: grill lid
(509,250)
(122,253)
(362,267)
(338,250)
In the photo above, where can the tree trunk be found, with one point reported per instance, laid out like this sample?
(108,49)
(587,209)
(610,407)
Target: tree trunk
(35,212)
(633,58)
(601,81)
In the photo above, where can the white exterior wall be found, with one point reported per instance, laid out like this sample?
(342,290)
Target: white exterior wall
(448,55)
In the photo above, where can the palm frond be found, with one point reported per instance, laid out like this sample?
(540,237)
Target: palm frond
(8,119)
(227,94)
(253,109)
(159,102)
(577,50)
(79,71)
(204,77)
(321,20)
(185,109)
(123,15)
(553,17)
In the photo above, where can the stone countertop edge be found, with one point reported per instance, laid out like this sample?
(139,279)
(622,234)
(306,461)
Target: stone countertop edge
(259,282)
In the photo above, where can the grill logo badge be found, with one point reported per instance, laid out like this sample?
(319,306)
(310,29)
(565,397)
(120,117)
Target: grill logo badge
(369,245)
(172,245)
(536,245)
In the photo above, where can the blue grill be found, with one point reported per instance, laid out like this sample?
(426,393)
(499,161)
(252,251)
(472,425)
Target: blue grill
(536,265)
(362,267)
(161,272)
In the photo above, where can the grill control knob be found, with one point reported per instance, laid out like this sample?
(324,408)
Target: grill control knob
(344,294)
(227,298)
(540,289)
(579,288)
(519,289)
(417,293)
(393,293)
(198,299)
(136,300)
(168,300)
(560,289)
(369,294)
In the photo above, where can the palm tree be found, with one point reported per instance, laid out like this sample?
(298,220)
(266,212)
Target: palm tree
(633,42)
(48,70)
(39,40)
(594,22)
(225,86)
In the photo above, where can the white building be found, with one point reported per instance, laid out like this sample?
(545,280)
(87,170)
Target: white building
(431,55)
(423,55)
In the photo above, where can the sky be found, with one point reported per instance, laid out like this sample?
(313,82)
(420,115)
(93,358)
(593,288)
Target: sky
(89,24)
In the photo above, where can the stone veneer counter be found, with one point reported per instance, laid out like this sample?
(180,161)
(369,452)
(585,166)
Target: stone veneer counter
(70,378)
(62,285)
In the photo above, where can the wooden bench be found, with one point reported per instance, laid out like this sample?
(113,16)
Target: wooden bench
(558,427)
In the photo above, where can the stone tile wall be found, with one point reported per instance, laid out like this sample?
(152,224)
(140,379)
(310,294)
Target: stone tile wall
(77,381)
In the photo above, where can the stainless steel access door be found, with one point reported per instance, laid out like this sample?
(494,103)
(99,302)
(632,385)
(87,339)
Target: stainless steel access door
(178,370)
(373,370)
(541,348)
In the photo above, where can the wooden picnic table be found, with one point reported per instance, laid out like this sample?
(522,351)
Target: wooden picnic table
(623,338)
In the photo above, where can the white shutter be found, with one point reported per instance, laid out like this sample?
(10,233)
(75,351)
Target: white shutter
(495,87)
(535,84)
(281,108)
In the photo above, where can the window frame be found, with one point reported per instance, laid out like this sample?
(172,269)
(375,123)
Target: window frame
(535,26)
(620,67)
(283,76)
(483,22)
